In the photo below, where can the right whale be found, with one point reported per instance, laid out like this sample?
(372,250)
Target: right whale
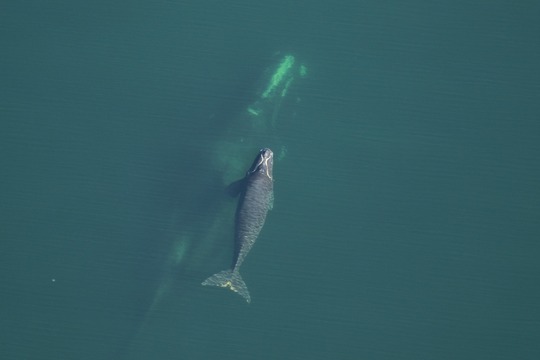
(256,198)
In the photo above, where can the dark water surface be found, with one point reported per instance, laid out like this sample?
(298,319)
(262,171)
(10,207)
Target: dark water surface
(406,216)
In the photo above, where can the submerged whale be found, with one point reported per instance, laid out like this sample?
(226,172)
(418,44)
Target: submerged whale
(256,198)
(191,236)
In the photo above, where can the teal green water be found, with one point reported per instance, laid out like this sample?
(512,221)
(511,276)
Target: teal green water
(406,214)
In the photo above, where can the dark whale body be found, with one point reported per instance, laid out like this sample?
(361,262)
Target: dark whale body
(256,198)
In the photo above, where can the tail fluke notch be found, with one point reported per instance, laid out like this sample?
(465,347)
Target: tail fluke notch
(229,279)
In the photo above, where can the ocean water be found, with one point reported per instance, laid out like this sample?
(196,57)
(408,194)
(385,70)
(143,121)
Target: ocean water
(406,214)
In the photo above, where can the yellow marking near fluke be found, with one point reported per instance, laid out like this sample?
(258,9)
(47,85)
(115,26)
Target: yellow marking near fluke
(229,279)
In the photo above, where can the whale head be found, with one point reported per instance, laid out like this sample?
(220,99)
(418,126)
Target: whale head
(263,163)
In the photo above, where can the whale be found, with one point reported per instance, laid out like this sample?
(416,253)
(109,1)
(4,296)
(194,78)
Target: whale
(256,199)
(201,228)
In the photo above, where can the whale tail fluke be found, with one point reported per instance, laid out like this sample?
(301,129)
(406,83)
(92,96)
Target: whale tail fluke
(229,279)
